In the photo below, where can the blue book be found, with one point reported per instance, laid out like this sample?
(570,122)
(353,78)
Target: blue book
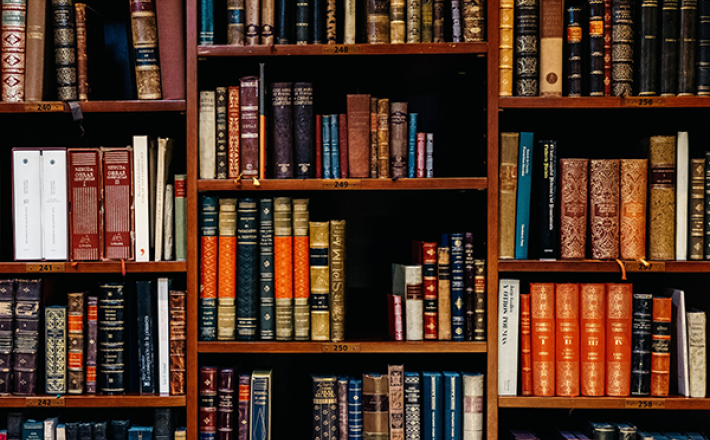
(260,405)
(453,402)
(327,169)
(412,406)
(325,406)
(136,432)
(209,215)
(412,146)
(432,406)
(119,73)
(266,269)
(145,312)
(355,409)
(334,146)
(33,430)
(458,312)
(236,19)
(247,276)
(522,210)
(206,32)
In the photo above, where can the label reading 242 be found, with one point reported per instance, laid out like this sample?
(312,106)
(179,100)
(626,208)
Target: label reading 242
(44,401)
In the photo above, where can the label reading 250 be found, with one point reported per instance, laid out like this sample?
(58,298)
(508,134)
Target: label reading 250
(340,348)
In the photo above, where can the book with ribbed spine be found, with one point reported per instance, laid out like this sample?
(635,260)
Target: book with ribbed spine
(649,33)
(522,210)
(266,269)
(206,23)
(473,18)
(429,287)
(342,413)
(642,307)
(567,337)
(220,94)
(145,312)
(243,400)
(283,267)
(468,284)
(573,208)
(227,270)
(383,138)
(618,339)
(247,269)
(325,401)
(412,405)
(661,346)
(378,21)
(75,338)
(249,123)
(282,121)
(439,19)
(268,21)
(427,16)
(225,402)
(375,405)
(473,386)
(177,300)
(26,336)
(622,58)
(35,34)
(604,208)
(706,209)
(551,43)
(506,22)
(398,25)
(507,193)
(209,244)
(687,47)
(395,396)
(452,391)
(542,331)
(303,22)
(111,325)
(457,286)
(595,18)
(301,271)
(326,153)
(669,47)
(355,408)
(319,244)
(7,298)
(697,349)
(304,140)
(145,44)
(12,67)
(527,55)
(335,146)
(661,202)
(233,132)
(398,139)
(696,209)
(432,405)
(65,50)
(338,282)
(414,24)
(55,336)
(573,49)
(91,343)
(207,402)
(525,346)
(260,405)
(343,145)
(208,134)
(703,39)
(358,135)
(444,288)
(633,186)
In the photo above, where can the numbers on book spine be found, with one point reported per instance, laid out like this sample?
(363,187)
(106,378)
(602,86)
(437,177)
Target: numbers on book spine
(341,49)
(645,404)
(649,266)
(44,107)
(644,102)
(341,184)
(44,401)
(45,267)
(341,348)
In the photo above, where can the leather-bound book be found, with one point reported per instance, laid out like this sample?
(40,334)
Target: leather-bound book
(457,286)
(607,46)
(225,403)
(117,430)
(282,113)
(703,78)
(432,405)
(542,331)
(266,269)
(55,339)
(505,47)
(412,145)
(633,178)
(303,21)
(351,16)
(26,343)
(551,43)
(649,35)
(318,21)
(338,282)
(414,21)
(696,209)
(596,47)
(15,420)
(207,401)
(301,270)
(412,404)
(661,201)
(209,251)
(325,402)
(253,24)
(146,325)
(99,429)
(304,141)
(574,48)
(375,405)
(249,126)
(378,21)
(383,138)
(526,388)
(7,298)
(243,400)
(374,142)
(573,208)
(427,16)
(82,71)
(398,25)
(641,344)
(567,336)
(12,66)
(233,132)
(342,390)
(227,270)
(444,288)
(604,208)
(75,338)
(268,21)
(468,286)
(431,318)
(84,431)
(235,22)
(178,342)
(343,141)
(697,350)
(527,55)
(331,23)
(456,27)
(220,94)
(508,178)
(661,345)
(358,135)
(327,148)
(111,325)
(395,395)
(206,23)
(92,330)
(669,47)
(208,134)
(474,20)
(439,18)
(85,189)
(283,267)
(398,140)
(171,51)
(687,47)
(34,49)
(706,224)
(118,203)
(163,424)
(618,339)
(145,44)
(622,58)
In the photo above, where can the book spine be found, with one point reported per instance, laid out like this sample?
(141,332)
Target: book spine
(338,256)
(432,405)
(703,74)
(282,111)
(75,336)
(343,139)
(542,332)
(111,330)
(596,47)
(283,267)
(696,209)
(209,243)
(145,44)
(681,201)
(622,58)
(318,22)
(319,244)
(178,342)
(604,208)
(180,217)
(118,204)
(378,21)
(574,48)
(325,400)
(526,388)
(397,20)
(429,156)
(54,204)
(208,135)
(669,47)
(412,405)
(383,138)
(413,301)
(145,311)
(706,210)
(548,197)
(395,395)
(648,48)
(220,94)
(457,286)
(82,83)
(358,111)
(268,19)
(632,231)
(641,344)
(233,132)
(697,352)
(249,124)
(303,22)
(85,198)
(661,346)
(342,385)
(607,46)
(301,270)
(430,282)
(260,405)
(573,208)
(551,44)
(398,140)
(444,289)
(327,156)
(55,336)
(27,202)
(304,142)
(244,397)
(34,45)
(427,18)
(468,285)
(507,191)
(474,21)
(438,19)
(207,403)
(375,405)
(618,339)
(206,25)
(505,46)
(252,22)
(687,47)
(661,203)
(522,210)
(7,306)
(414,26)
(473,405)
(227,270)
(91,346)
(567,339)
(331,23)
(526,48)
(65,50)
(266,269)
(247,260)
(453,401)
(171,51)
(225,403)
(508,328)
(26,331)
(412,146)
(355,409)
(335,146)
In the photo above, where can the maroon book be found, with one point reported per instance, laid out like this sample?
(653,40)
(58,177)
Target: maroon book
(85,201)
(118,203)
(171,47)
(604,208)
(92,329)
(319,146)
(225,404)
(358,135)
(573,208)
(208,399)
(249,126)
(343,136)
(395,317)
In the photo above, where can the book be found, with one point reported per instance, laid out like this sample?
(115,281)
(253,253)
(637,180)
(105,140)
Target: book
(407,284)
(574,48)
(75,341)
(163,335)
(412,405)
(171,50)
(7,297)
(508,328)
(301,270)
(335,146)
(697,350)
(604,208)
(319,244)
(680,330)
(522,209)
(178,342)
(65,50)
(703,55)
(479,300)
(55,336)
(326,152)
(696,209)
(444,288)
(432,405)
(412,141)
(619,318)
(26,336)
(26,187)
(567,338)
(180,208)
(54,206)
(303,22)
(378,22)
(283,267)
(398,139)
(507,193)
(244,398)
(32,430)
(395,397)
(233,134)
(118,204)
(649,36)
(145,313)
(282,121)
(338,281)
(163,173)
(35,35)
(596,47)
(249,118)
(247,266)
(325,400)
(642,307)
(304,140)
(358,135)
(429,289)
(669,47)
(207,403)
(622,59)
(505,47)
(453,404)
(225,402)
(542,334)
(546,169)
(527,55)
(111,325)
(208,267)
(343,145)
(342,413)
(687,47)
(457,286)
(375,405)
(227,270)
(661,345)
(208,134)
(473,421)
(50,428)
(141,203)
(145,44)
(632,208)
(573,208)
(206,23)
(551,44)
(525,346)
(592,339)
(220,94)
(427,18)
(163,424)
(662,199)
(681,202)
(91,343)
(266,269)
(260,405)
(383,137)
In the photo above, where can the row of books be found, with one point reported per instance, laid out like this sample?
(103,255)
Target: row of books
(89,204)
(441,295)
(375,138)
(597,339)
(608,431)
(263,259)
(610,49)
(324,22)
(631,209)
(87,344)
(89,51)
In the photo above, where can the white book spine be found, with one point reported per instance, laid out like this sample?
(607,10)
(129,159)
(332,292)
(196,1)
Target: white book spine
(697,353)
(508,336)
(54,208)
(50,428)
(160,199)
(26,187)
(208,160)
(141,198)
(415,302)
(681,194)
(350,13)
(61,432)
(473,386)
(169,226)
(163,337)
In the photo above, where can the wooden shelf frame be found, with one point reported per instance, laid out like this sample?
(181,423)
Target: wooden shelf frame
(586,102)
(594,266)
(348,50)
(97,401)
(344,347)
(95,106)
(668,403)
(454,183)
(53,267)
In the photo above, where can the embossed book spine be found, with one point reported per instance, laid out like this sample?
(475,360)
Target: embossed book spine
(542,332)
(596,47)
(574,48)
(145,44)
(343,139)
(178,342)
(438,19)
(283,267)
(468,285)
(412,405)
(319,280)
(696,209)
(331,24)
(342,385)
(171,34)
(34,49)
(7,306)
(607,46)
(669,47)
(398,140)
(92,329)
(457,286)
(225,403)
(209,245)
(573,208)
(304,140)
(522,210)
(326,152)
(268,21)
(249,126)
(412,145)
(374,140)
(604,208)
(527,55)
(338,282)
(395,395)
(282,113)
(397,20)
(301,271)
(247,267)
(505,47)
(233,132)
(551,43)
(641,344)
(697,349)
(431,318)
(661,208)
(207,402)
(507,193)
(208,135)
(335,146)
(703,74)
(375,405)
(145,311)
(325,402)
(111,326)
(453,400)
(649,33)
(383,138)
(85,202)
(266,269)
(427,21)
(633,177)
(378,21)
(592,338)
(226,282)
(355,408)
(473,17)
(444,288)
(525,346)
(82,73)
(55,337)
(244,397)
(687,47)
(432,405)
(260,405)
(12,66)
(221,152)
(473,386)
(75,336)
(618,339)
(118,203)
(567,339)
(622,58)
(358,111)
(661,346)
(706,223)
(414,24)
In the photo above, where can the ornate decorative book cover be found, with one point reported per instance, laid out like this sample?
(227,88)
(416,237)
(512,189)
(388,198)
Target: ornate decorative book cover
(596,47)
(145,44)
(696,209)
(604,208)
(552,31)
(378,21)
(207,403)
(266,269)
(661,346)
(526,48)
(592,338)
(331,23)
(474,20)
(525,346)
(375,405)
(542,331)
(338,257)
(233,132)
(226,264)
(505,47)
(383,138)
(55,337)
(178,342)
(414,21)
(632,231)
(395,395)
(567,339)
(249,126)
(398,140)
(282,113)
(221,140)
(573,208)
(247,269)
(75,350)
(622,55)
(661,208)
(319,280)
(430,284)
(7,298)
(283,266)
(304,122)
(641,344)
(444,288)
(358,135)
(618,339)
(209,251)
(12,66)
(301,270)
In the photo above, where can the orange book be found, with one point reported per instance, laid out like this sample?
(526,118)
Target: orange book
(301,271)
(592,332)
(301,268)
(542,306)
(661,346)
(525,358)
(227,270)
(567,339)
(618,339)
(283,268)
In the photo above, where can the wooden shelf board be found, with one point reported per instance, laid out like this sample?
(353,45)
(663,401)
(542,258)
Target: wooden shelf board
(92,267)
(593,266)
(352,49)
(680,403)
(97,400)
(345,347)
(479,183)
(603,102)
(94,106)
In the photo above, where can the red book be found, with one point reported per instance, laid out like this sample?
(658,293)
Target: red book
(233,132)
(118,203)
(592,330)
(343,138)
(567,339)
(618,339)
(171,47)
(573,208)
(542,306)
(525,345)
(208,399)
(430,282)
(249,126)
(394,311)
(85,202)
(661,346)
(319,146)
(421,154)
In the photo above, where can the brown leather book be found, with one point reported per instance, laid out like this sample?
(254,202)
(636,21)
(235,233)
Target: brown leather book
(75,334)
(661,346)
(474,19)
(383,138)
(567,339)
(358,135)
(233,132)
(118,203)
(573,208)
(82,72)
(331,25)
(12,62)
(398,140)
(604,208)
(414,21)
(618,339)
(378,21)
(178,342)
(374,126)
(398,25)
(34,49)
(171,50)
(344,147)
(696,208)
(249,126)
(438,21)
(145,43)
(552,29)
(505,47)
(444,289)
(85,186)
(661,201)
(525,346)
(633,177)
(507,193)
(592,330)
(282,114)
(542,330)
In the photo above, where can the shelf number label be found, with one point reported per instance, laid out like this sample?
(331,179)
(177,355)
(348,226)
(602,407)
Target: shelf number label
(44,401)
(341,49)
(341,348)
(650,266)
(644,102)
(45,267)
(645,404)
(341,184)
(44,107)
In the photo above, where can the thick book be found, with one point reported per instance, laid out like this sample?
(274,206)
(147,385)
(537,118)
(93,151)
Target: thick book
(26,336)
(648,35)
(378,21)
(227,270)
(546,172)
(225,402)
(65,50)
(661,345)
(669,47)
(207,400)
(260,405)
(595,17)
(32,430)
(453,405)
(303,22)
(507,193)
(207,134)
(111,337)
(7,298)
(680,341)
(432,405)
(619,318)
(301,270)
(542,332)
(325,400)
(171,50)
(338,281)
(145,45)
(681,201)
(91,343)
(54,205)
(395,396)
(525,346)
(220,95)
(522,210)
(703,40)
(303,126)
(209,243)
(163,424)
(283,267)
(574,48)
(687,47)
(696,209)
(573,208)
(358,111)
(55,338)
(247,269)
(527,54)
(398,25)
(412,405)
(508,335)
(177,300)
(249,126)
(444,288)
(567,337)
(505,47)
(75,340)
(473,403)
(662,199)
(375,406)
(552,30)
(604,208)
(622,55)
(282,122)
(398,139)
(633,178)
(26,197)
(35,35)
(697,352)
(145,314)
(233,132)
(118,200)
(641,344)
(266,269)
(407,284)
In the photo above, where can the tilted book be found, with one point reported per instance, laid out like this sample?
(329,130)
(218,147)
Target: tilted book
(319,245)
(145,44)
(542,332)
(680,329)
(507,193)
(395,395)
(178,342)
(162,177)
(618,339)
(573,208)
(527,55)
(567,338)
(661,345)
(247,269)
(525,346)
(209,243)
(641,344)
(301,270)
(75,338)
(662,199)
(111,337)
(633,178)
(55,337)
(338,282)
(697,350)
(26,342)
(412,405)
(283,267)
(604,208)
(266,269)
(508,335)
(375,405)
(227,268)
(260,405)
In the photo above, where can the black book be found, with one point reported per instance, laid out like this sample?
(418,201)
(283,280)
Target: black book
(284,22)
(687,47)
(118,429)
(282,123)
(703,88)
(71,430)
(111,336)
(163,424)
(85,431)
(303,21)
(318,21)
(26,340)
(596,47)
(99,430)
(547,198)
(526,57)
(15,420)
(648,37)
(641,344)
(574,48)
(7,297)
(304,127)
(65,49)
(145,313)
(669,48)
(602,431)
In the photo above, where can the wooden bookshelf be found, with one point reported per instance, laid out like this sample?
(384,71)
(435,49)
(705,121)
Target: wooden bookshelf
(94,106)
(93,401)
(343,347)
(633,102)
(475,183)
(603,266)
(343,49)
(642,403)
(51,267)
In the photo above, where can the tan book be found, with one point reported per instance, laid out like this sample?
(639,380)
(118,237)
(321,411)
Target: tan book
(634,182)
(507,193)
(505,47)
(697,352)
(552,30)
(378,22)
(267,22)
(383,138)
(398,140)
(320,280)
(337,280)
(604,208)
(34,49)
(427,21)
(227,270)
(696,209)
(359,135)
(398,25)
(661,201)
(414,24)
(395,394)
(253,26)
(444,290)
(350,20)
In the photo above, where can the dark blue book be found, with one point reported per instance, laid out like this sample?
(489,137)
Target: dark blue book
(453,405)
(334,146)
(284,21)
(99,430)
(546,171)
(117,429)
(325,404)
(163,423)
(260,406)
(111,337)
(71,430)
(318,21)
(355,409)
(206,31)
(522,210)
(85,432)
(266,269)
(457,287)
(412,405)
(412,146)
(119,73)
(327,169)
(145,314)
(136,432)
(303,21)
(33,430)
(247,275)
(209,214)
(432,406)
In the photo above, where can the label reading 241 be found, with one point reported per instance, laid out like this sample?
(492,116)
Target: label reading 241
(44,401)
(45,267)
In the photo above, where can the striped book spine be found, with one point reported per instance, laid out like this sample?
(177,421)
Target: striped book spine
(283,263)
(248,250)
(227,261)
(208,268)
(412,406)
(266,269)
(111,337)
(75,350)
(145,44)
(12,65)
(320,280)
(325,403)
(337,280)
(65,50)
(479,294)
(301,274)
(468,283)
(327,157)
(395,394)
(26,331)
(457,286)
